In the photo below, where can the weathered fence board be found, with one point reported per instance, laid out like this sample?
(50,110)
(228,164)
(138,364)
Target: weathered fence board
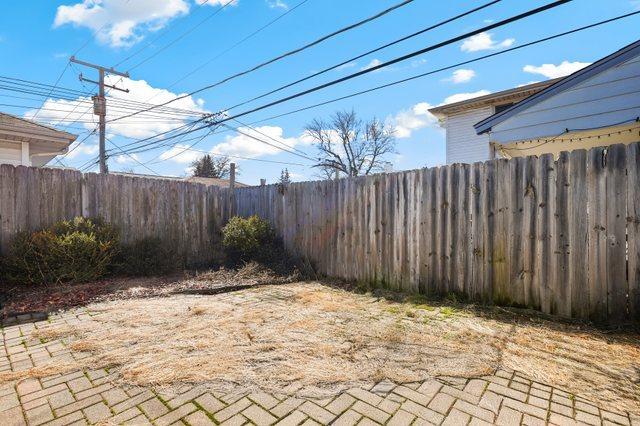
(187,216)
(560,236)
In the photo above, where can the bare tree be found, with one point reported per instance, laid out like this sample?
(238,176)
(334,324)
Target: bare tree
(211,167)
(351,146)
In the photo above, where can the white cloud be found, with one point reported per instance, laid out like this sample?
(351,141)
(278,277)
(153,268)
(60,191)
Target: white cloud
(215,2)
(138,126)
(88,148)
(246,146)
(181,154)
(458,97)
(635,4)
(373,63)
(461,76)
(484,41)
(122,23)
(277,4)
(127,159)
(409,120)
(347,65)
(554,71)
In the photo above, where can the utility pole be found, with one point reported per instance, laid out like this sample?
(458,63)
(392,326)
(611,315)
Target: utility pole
(100,102)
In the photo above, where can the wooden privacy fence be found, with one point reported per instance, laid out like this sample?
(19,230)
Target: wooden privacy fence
(184,215)
(559,236)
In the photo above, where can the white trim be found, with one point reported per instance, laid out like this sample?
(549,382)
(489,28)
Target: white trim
(26,160)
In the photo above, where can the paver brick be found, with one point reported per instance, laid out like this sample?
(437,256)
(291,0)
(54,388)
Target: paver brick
(348,418)
(422,412)
(235,420)
(441,403)
(401,418)
(114,396)
(78,405)
(508,416)
(79,384)
(39,415)
(366,396)
(258,415)
(210,403)
(69,419)
(286,406)
(264,399)
(474,410)
(126,415)
(456,417)
(411,394)
(371,412)
(153,408)
(13,417)
(27,386)
(389,406)
(232,410)
(340,404)
(175,415)
(293,419)
(316,412)
(199,419)
(97,412)
(132,402)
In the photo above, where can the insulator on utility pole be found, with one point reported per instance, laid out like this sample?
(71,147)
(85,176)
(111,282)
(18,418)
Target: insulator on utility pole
(100,103)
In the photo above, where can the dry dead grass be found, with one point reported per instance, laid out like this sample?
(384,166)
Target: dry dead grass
(313,340)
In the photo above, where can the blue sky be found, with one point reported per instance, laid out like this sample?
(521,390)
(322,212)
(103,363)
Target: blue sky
(36,39)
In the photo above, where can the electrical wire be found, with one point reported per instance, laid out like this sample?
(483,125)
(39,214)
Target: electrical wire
(385,64)
(238,43)
(369,52)
(289,53)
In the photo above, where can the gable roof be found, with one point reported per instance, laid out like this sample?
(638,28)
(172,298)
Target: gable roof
(514,94)
(20,124)
(630,51)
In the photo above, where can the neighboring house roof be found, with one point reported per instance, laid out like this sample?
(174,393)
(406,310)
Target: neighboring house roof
(510,95)
(223,183)
(45,142)
(562,84)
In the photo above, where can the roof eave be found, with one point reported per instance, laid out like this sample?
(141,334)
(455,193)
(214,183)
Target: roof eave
(560,85)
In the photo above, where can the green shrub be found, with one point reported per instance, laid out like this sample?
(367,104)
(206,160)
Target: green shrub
(244,239)
(146,257)
(69,251)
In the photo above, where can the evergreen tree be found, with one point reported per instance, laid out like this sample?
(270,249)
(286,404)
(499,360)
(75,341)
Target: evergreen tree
(209,167)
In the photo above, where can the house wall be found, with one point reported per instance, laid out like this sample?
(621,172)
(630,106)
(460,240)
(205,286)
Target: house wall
(11,153)
(463,144)
(606,99)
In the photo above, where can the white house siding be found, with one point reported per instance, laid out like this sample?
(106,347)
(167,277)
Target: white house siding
(463,144)
(605,99)
(10,153)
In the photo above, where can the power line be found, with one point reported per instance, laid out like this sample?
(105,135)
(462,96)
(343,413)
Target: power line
(369,52)
(388,63)
(133,157)
(227,50)
(405,57)
(404,80)
(535,42)
(183,35)
(287,54)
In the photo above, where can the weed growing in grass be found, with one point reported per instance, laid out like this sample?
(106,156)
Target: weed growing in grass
(411,314)
(447,312)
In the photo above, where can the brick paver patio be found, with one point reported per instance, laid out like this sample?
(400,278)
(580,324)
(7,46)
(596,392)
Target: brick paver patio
(94,397)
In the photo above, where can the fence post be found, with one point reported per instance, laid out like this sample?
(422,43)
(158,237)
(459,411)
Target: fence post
(232,190)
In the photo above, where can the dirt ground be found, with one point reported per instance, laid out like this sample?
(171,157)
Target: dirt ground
(315,339)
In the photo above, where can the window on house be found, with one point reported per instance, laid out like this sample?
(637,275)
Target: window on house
(500,108)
